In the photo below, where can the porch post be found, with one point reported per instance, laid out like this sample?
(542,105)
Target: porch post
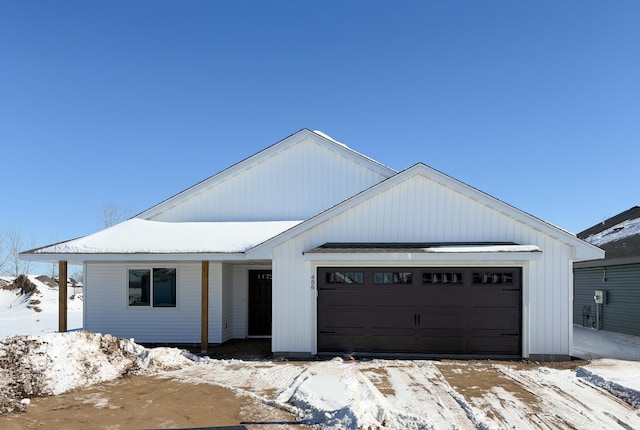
(62,296)
(204,317)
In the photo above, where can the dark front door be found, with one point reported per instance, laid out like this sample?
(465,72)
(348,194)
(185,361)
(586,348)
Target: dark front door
(259,302)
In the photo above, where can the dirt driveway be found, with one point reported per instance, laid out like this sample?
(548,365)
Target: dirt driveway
(143,402)
(395,394)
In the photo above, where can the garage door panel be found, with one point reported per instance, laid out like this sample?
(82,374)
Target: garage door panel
(447,296)
(396,342)
(443,321)
(420,310)
(399,317)
(494,344)
(344,318)
(385,297)
(495,320)
(341,297)
(440,344)
(342,342)
(499,298)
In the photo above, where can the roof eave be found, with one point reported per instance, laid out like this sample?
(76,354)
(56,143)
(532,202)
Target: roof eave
(80,258)
(422,257)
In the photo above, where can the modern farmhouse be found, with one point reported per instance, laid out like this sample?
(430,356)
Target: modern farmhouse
(343,255)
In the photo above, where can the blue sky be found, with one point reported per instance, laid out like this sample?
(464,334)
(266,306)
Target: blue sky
(131,102)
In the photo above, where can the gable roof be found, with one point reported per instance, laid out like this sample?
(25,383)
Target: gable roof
(288,142)
(582,249)
(618,236)
(629,214)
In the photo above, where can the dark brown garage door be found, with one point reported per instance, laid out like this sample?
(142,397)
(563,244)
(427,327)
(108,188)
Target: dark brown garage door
(420,310)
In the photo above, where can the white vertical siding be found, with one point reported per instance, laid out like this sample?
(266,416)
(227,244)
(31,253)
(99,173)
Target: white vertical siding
(215,302)
(226,322)
(239,317)
(420,210)
(106,301)
(278,188)
(106,295)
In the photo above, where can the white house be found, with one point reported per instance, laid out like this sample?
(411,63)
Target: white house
(328,251)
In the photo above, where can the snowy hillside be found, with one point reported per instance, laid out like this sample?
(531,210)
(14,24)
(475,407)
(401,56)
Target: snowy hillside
(36,312)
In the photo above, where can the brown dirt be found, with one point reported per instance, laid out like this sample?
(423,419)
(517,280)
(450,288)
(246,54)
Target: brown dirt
(476,379)
(147,402)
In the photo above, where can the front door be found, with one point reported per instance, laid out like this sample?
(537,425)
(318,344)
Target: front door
(259,302)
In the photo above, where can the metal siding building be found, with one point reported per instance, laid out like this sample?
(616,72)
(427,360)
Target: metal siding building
(618,276)
(619,312)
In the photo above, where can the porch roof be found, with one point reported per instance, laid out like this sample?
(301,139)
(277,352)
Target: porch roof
(139,236)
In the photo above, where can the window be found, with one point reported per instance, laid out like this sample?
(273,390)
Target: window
(492,278)
(392,277)
(345,278)
(155,286)
(442,278)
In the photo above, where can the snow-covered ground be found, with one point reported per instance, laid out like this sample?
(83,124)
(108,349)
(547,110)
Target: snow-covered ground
(589,343)
(336,394)
(19,316)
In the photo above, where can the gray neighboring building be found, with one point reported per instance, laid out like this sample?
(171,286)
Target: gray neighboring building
(617,276)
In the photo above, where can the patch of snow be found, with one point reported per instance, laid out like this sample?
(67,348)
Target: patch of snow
(142,236)
(589,344)
(326,136)
(20,317)
(620,378)
(480,248)
(619,231)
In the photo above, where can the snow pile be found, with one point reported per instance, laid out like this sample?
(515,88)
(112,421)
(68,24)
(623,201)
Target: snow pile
(620,378)
(335,394)
(619,231)
(58,362)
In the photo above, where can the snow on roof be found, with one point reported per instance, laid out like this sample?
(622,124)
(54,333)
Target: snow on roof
(141,236)
(449,248)
(483,248)
(619,231)
(326,136)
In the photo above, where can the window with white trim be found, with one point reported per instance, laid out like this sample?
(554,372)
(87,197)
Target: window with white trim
(154,287)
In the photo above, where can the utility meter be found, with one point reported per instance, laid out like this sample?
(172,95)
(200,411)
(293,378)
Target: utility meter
(599,297)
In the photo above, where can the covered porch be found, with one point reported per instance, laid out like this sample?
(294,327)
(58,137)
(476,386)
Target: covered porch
(212,292)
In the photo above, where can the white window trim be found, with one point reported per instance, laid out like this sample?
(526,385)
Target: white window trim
(150,267)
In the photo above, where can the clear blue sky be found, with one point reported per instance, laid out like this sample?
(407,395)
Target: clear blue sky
(536,103)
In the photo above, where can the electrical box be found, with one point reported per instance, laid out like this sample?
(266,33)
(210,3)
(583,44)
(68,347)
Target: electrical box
(600,297)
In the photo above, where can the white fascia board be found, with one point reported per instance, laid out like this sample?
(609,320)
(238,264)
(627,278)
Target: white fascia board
(257,158)
(80,258)
(386,258)
(586,253)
